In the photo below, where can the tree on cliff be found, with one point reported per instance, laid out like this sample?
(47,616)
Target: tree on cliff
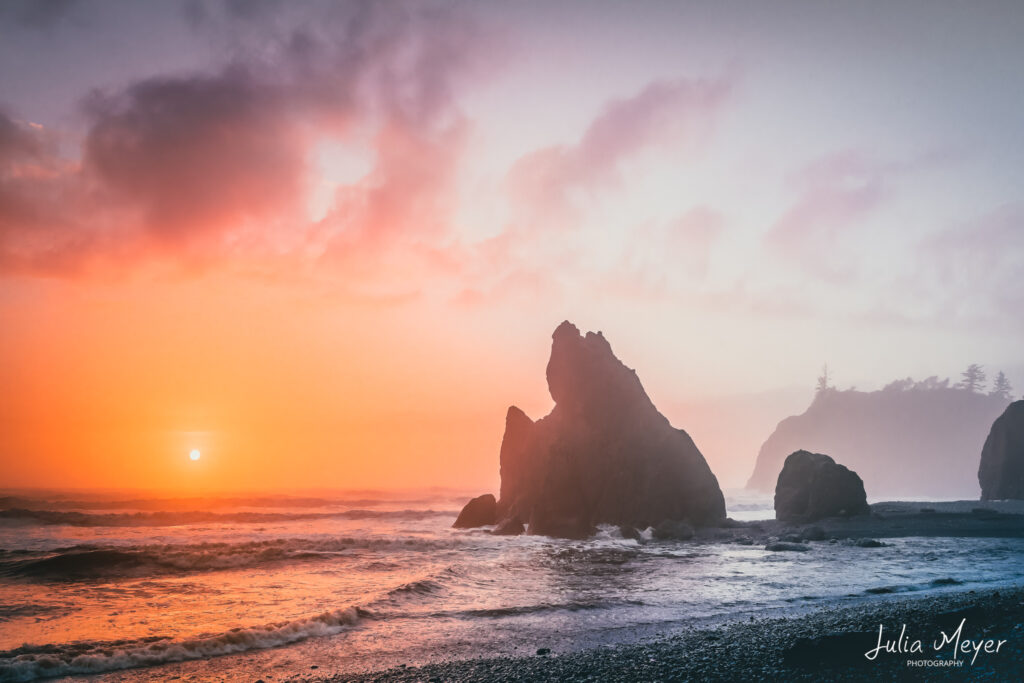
(973,378)
(823,384)
(1002,387)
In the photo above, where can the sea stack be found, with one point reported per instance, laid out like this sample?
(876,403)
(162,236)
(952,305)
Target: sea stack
(908,439)
(604,455)
(812,486)
(1001,473)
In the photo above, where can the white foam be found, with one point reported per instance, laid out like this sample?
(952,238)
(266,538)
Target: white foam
(103,657)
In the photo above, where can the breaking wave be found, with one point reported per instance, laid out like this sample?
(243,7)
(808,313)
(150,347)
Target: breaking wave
(421,587)
(86,562)
(30,662)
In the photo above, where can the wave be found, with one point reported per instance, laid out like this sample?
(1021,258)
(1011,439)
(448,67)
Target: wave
(175,518)
(429,587)
(913,587)
(573,606)
(30,662)
(751,507)
(89,562)
(421,587)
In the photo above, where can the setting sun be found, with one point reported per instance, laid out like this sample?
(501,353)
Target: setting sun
(194,454)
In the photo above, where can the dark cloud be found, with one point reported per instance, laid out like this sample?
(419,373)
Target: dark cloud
(40,200)
(217,162)
(200,13)
(18,142)
(36,14)
(197,154)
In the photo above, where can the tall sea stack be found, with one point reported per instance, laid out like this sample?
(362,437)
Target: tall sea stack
(604,455)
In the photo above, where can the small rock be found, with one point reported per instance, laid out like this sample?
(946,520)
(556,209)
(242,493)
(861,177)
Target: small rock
(510,526)
(543,651)
(868,543)
(781,546)
(812,486)
(480,511)
(674,530)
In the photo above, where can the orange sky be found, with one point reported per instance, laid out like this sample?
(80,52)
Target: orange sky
(327,246)
(112,384)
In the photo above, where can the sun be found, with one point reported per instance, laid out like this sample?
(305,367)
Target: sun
(194,454)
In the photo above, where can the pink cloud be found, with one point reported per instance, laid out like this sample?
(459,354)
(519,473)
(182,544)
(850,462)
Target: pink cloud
(978,265)
(212,166)
(662,112)
(834,193)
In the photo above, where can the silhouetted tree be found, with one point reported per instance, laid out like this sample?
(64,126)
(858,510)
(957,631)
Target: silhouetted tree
(973,378)
(823,384)
(932,383)
(1002,387)
(899,385)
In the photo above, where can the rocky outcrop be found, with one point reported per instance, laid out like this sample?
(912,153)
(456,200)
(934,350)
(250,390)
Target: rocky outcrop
(1001,473)
(480,511)
(813,486)
(907,440)
(603,455)
(510,526)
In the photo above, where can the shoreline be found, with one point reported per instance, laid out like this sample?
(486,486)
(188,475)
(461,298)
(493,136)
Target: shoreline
(889,519)
(827,643)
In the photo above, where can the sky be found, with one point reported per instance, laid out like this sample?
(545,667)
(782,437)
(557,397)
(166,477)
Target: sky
(326,243)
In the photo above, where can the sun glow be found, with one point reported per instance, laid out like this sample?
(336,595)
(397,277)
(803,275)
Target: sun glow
(194,454)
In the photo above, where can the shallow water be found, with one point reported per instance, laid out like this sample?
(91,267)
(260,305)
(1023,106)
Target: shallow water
(275,586)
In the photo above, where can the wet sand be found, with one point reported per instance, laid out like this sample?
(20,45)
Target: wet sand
(827,644)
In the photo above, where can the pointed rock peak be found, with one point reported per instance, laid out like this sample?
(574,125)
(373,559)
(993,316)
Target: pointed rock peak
(566,331)
(516,416)
(569,335)
(584,374)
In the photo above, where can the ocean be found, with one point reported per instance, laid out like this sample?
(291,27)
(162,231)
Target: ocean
(271,587)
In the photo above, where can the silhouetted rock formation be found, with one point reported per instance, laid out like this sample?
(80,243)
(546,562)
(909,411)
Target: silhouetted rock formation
(905,440)
(603,455)
(480,511)
(510,526)
(813,486)
(673,530)
(1001,473)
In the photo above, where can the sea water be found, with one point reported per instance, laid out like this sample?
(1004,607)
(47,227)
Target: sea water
(269,587)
